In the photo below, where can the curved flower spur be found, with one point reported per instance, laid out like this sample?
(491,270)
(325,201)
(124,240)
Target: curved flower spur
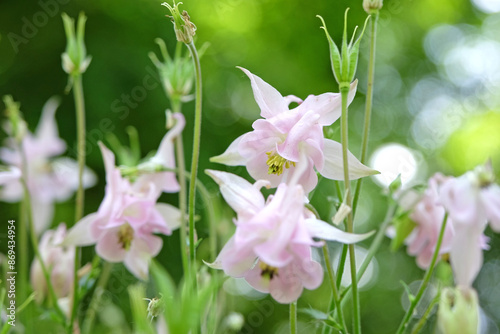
(271,247)
(271,151)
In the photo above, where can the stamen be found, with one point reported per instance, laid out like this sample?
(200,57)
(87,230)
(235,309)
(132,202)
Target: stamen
(267,270)
(125,236)
(276,163)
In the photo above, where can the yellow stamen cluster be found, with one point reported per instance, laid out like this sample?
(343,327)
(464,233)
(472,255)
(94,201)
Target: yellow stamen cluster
(267,270)
(125,236)
(276,163)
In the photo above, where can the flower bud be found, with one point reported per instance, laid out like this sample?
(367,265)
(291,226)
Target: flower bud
(234,322)
(344,61)
(184,28)
(458,311)
(17,127)
(75,60)
(372,6)
(155,307)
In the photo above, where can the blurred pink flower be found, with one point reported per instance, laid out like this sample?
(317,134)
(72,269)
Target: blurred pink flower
(271,247)
(9,174)
(472,200)
(123,227)
(49,179)
(428,214)
(164,157)
(271,151)
(59,260)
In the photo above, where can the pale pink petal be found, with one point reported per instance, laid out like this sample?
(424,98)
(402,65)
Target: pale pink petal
(307,127)
(328,105)
(109,246)
(238,192)
(170,214)
(232,156)
(334,166)
(258,281)
(308,179)
(260,141)
(292,98)
(165,154)
(490,198)
(286,286)
(270,101)
(459,197)
(47,135)
(466,255)
(13,173)
(234,260)
(325,231)
(258,169)
(43,213)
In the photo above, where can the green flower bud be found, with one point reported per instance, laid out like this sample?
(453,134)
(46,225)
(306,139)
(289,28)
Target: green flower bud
(75,60)
(17,127)
(458,311)
(345,61)
(184,28)
(155,307)
(372,6)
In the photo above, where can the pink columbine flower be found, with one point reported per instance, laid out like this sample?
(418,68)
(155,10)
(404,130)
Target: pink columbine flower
(271,247)
(428,214)
(472,200)
(123,228)
(59,260)
(271,151)
(49,179)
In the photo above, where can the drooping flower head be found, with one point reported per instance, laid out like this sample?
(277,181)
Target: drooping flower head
(472,200)
(49,178)
(123,228)
(271,247)
(271,151)
(59,260)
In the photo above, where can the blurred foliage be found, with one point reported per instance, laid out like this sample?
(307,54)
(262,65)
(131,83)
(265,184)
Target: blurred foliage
(280,41)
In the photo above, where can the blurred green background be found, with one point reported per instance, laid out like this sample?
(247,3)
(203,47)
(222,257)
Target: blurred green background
(436,92)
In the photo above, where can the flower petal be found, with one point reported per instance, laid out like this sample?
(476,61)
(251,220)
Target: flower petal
(238,192)
(328,105)
(325,231)
(109,246)
(334,167)
(47,135)
(170,214)
(79,235)
(13,173)
(270,101)
(466,255)
(491,202)
(232,156)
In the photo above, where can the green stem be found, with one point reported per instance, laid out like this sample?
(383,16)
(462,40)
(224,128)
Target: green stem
(333,285)
(34,240)
(420,324)
(196,155)
(293,317)
(179,151)
(80,195)
(344,90)
(80,133)
(375,245)
(368,105)
(426,280)
(23,254)
(88,322)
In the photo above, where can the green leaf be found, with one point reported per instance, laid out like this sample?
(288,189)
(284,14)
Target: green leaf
(411,297)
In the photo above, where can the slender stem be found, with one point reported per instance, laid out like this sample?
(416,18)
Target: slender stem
(420,324)
(333,285)
(80,130)
(375,245)
(34,240)
(293,317)
(181,164)
(426,280)
(344,90)
(80,195)
(88,322)
(368,105)
(196,155)
(23,254)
